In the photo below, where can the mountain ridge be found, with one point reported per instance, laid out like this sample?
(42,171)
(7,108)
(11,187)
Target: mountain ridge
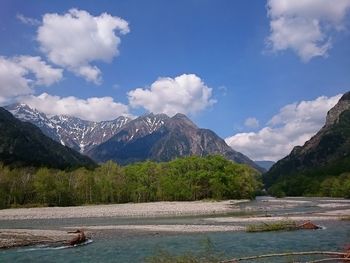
(80,135)
(24,144)
(326,153)
(150,136)
(173,137)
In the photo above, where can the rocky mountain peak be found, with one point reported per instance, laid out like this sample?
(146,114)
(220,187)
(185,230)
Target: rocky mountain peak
(334,113)
(161,138)
(151,136)
(326,153)
(183,119)
(345,97)
(80,135)
(19,140)
(26,113)
(150,122)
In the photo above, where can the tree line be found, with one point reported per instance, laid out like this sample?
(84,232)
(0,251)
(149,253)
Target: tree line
(313,185)
(183,179)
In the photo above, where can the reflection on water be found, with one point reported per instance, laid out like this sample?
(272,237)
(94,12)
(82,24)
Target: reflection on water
(119,246)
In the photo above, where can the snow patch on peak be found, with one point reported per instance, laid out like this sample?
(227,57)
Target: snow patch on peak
(70,131)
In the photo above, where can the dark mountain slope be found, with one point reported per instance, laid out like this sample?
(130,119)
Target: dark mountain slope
(23,144)
(325,154)
(80,135)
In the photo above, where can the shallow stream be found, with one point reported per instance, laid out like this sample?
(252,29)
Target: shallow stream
(133,246)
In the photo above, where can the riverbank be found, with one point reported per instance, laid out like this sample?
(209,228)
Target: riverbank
(155,209)
(24,226)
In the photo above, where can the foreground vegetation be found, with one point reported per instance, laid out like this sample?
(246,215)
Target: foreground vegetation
(184,179)
(207,254)
(210,255)
(286,225)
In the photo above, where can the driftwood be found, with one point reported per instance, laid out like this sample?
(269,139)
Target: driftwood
(328,253)
(330,260)
(80,238)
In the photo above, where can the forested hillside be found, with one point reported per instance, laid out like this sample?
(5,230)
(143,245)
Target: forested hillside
(321,166)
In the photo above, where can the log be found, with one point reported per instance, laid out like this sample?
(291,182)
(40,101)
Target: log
(330,260)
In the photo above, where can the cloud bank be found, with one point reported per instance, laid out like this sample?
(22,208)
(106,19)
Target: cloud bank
(305,26)
(93,109)
(76,39)
(183,94)
(293,125)
(19,75)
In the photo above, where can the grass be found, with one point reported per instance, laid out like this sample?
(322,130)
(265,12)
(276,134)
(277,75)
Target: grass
(206,255)
(285,225)
(166,257)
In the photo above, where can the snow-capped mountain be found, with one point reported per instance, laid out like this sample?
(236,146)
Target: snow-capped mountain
(155,137)
(81,135)
(142,126)
(23,144)
(159,137)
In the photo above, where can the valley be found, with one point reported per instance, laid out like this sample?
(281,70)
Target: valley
(187,131)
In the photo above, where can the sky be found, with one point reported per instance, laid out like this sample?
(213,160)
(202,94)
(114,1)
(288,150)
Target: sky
(261,74)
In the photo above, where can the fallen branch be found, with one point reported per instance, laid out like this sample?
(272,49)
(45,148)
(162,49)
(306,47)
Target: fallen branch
(328,253)
(329,260)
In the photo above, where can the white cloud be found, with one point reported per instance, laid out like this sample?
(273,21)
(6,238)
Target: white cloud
(45,75)
(305,26)
(251,122)
(184,94)
(93,109)
(19,75)
(76,39)
(12,79)
(293,125)
(27,20)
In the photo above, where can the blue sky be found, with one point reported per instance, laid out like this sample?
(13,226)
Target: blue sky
(228,45)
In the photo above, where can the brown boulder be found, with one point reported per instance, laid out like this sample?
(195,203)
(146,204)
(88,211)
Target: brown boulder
(308,225)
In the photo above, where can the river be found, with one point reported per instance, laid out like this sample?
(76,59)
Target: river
(135,246)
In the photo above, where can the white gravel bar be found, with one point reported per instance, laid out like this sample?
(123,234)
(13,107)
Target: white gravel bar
(344,212)
(269,219)
(167,228)
(154,209)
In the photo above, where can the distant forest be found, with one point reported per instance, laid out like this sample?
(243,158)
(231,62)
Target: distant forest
(312,184)
(183,179)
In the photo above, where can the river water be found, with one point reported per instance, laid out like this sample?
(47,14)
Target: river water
(132,246)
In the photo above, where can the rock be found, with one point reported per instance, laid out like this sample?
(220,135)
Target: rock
(308,225)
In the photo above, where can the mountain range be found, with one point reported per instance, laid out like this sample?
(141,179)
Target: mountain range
(23,144)
(163,138)
(327,153)
(155,137)
(78,134)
